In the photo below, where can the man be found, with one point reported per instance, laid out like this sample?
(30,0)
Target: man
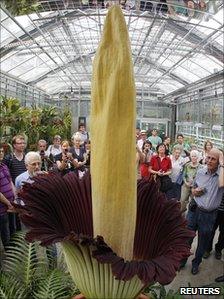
(219,246)
(143,137)
(155,139)
(55,148)
(84,135)
(15,162)
(181,144)
(33,165)
(207,192)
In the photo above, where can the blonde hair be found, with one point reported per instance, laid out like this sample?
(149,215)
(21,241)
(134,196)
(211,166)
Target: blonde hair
(194,153)
(176,148)
(76,136)
(65,142)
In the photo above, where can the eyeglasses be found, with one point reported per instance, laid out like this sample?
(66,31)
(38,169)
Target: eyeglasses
(35,164)
(211,158)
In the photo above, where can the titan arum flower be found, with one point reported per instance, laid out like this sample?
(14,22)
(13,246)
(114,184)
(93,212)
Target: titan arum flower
(117,236)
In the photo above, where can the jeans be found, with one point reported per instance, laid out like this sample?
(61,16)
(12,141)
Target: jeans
(219,246)
(12,223)
(4,229)
(203,222)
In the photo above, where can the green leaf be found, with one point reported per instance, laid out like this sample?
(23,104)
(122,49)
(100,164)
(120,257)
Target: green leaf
(11,288)
(22,261)
(56,284)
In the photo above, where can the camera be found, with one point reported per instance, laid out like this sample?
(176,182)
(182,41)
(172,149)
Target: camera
(42,154)
(67,159)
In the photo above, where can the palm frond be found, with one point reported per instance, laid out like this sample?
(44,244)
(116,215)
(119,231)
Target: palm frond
(22,260)
(11,288)
(55,285)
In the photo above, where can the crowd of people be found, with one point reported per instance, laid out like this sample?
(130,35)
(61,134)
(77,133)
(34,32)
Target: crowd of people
(173,7)
(192,176)
(184,173)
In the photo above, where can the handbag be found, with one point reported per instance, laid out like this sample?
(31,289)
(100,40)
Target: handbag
(165,181)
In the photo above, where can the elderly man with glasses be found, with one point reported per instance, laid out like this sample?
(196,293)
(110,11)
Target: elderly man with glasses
(33,165)
(208,188)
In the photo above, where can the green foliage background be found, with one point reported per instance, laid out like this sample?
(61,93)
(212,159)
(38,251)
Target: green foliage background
(34,122)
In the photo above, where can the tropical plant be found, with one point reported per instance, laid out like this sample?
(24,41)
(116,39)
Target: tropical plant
(11,288)
(25,273)
(34,122)
(21,7)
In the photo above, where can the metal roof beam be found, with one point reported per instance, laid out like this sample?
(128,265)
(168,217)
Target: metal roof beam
(164,71)
(62,67)
(213,48)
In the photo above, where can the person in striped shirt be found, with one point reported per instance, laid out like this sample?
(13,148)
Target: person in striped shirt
(16,164)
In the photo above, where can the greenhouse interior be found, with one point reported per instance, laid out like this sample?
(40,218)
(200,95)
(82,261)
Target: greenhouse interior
(122,84)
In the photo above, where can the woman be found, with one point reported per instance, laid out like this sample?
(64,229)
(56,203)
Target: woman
(65,161)
(87,154)
(189,175)
(177,167)
(147,154)
(78,153)
(208,145)
(166,141)
(161,166)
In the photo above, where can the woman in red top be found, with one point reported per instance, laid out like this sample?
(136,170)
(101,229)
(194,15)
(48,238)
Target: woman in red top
(147,154)
(160,165)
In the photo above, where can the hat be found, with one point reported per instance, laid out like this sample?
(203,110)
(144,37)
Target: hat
(143,132)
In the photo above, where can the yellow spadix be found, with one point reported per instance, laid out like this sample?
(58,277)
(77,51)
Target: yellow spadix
(113,115)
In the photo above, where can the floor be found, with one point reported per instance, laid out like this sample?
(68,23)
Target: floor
(210,268)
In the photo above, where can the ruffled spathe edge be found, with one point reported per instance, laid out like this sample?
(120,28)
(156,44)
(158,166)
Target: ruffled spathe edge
(161,236)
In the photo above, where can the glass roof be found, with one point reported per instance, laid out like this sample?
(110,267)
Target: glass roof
(53,48)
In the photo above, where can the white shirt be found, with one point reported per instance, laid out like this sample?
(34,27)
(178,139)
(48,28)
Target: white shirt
(177,166)
(53,150)
(140,144)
